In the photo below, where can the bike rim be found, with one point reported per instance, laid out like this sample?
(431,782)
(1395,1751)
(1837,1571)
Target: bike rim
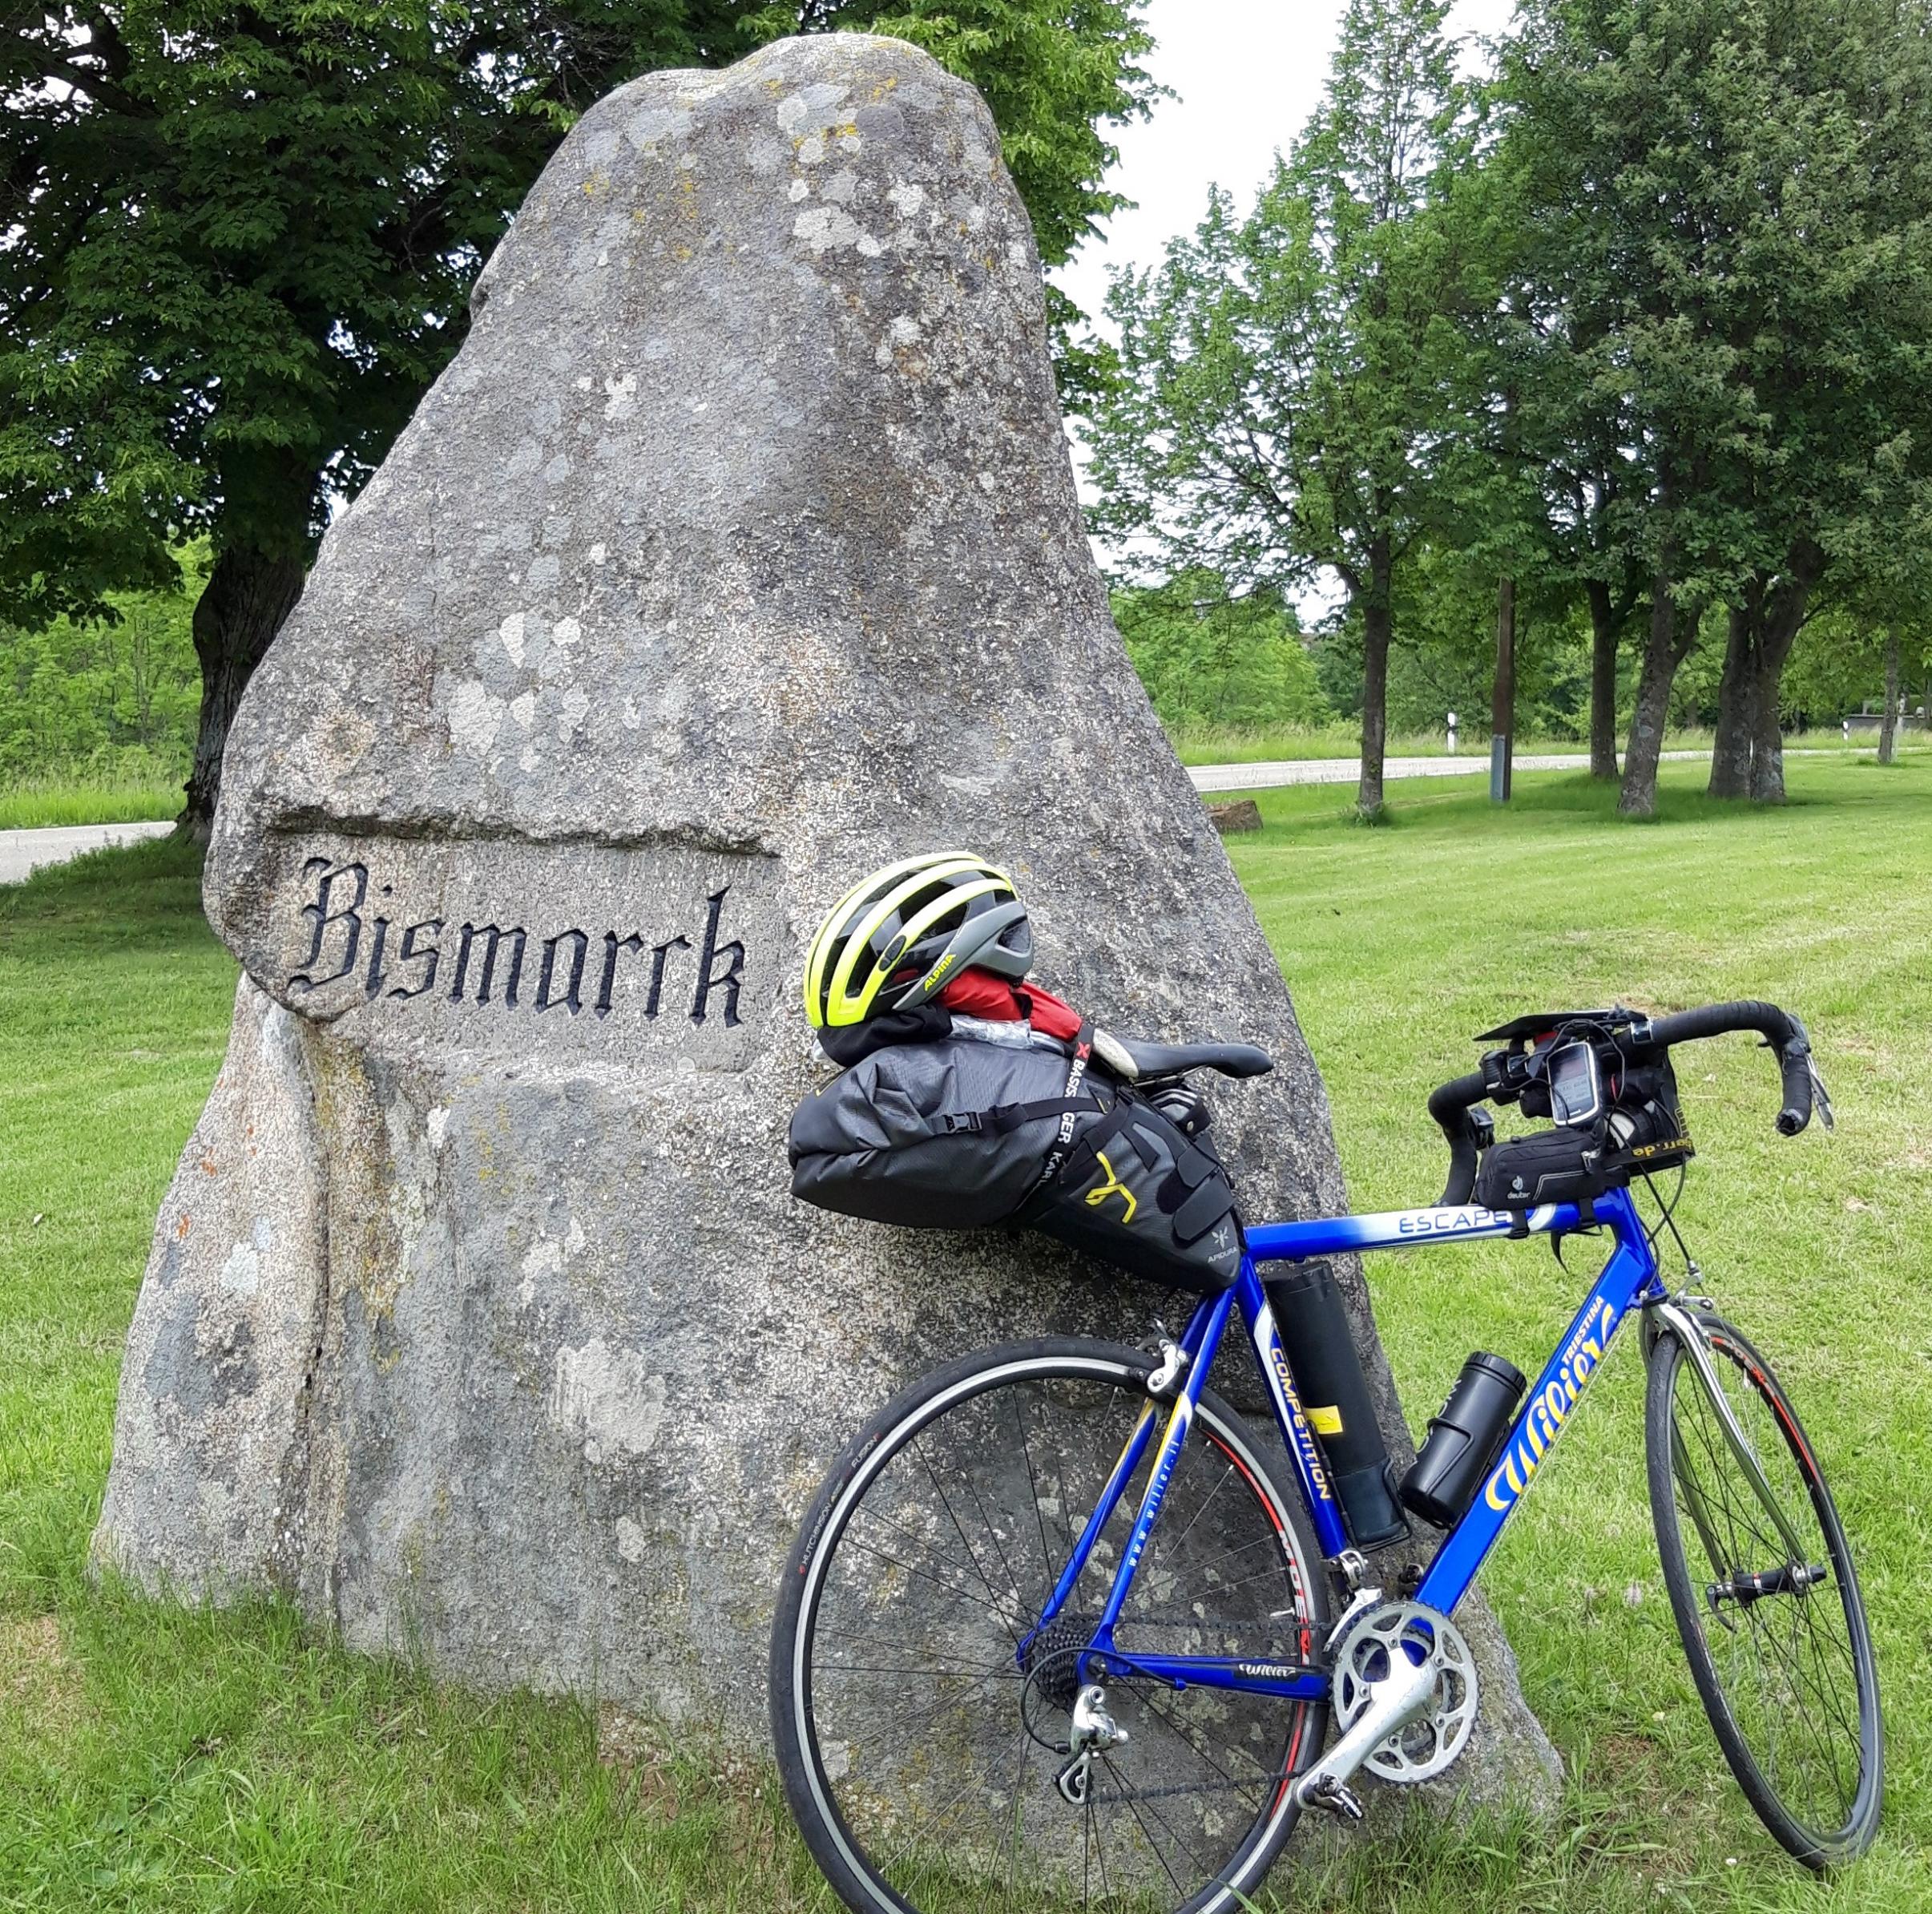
(945,1542)
(1791,1666)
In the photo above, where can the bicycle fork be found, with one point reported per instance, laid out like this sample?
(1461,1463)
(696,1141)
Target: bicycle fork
(1794,1575)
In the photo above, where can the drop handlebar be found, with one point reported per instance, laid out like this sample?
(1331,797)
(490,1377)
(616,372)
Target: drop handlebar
(1452,1103)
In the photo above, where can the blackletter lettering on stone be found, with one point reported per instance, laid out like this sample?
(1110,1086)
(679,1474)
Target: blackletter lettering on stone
(612,944)
(659,953)
(428,956)
(709,977)
(581,947)
(348,914)
(495,936)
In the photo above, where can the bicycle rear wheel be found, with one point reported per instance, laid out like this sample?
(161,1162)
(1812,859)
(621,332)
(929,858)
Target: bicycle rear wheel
(919,1742)
(1765,1595)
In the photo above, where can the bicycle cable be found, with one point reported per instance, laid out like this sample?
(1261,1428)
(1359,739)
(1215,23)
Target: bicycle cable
(1666,1218)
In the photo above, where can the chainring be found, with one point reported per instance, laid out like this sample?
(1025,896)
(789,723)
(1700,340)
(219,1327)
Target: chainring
(1424,1748)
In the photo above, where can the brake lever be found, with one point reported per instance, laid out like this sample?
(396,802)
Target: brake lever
(1820,1097)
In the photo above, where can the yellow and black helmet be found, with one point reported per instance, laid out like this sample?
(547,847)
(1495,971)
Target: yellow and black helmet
(895,940)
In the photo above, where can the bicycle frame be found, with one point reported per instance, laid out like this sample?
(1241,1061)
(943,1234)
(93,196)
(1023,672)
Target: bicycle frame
(1628,1280)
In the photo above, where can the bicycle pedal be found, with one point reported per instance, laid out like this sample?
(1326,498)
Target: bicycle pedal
(1336,1797)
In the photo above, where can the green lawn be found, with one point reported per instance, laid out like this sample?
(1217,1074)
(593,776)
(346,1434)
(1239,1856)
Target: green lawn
(34,803)
(154,1760)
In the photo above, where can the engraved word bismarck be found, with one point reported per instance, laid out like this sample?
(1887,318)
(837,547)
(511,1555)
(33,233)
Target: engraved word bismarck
(508,946)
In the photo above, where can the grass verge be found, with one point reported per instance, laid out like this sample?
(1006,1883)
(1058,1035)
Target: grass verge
(36,803)
(152,1759)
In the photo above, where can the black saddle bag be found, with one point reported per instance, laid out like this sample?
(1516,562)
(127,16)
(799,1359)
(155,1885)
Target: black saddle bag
(966,1134)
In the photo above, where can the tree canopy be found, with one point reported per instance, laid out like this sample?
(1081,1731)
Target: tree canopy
(1636,328)
(239,240)
(1274,410)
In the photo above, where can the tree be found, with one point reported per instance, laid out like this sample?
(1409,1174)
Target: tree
(1560,506)
(1273,412)
(1724,250)
(112,698)
(1210,660)
(1827,324)
(1630,131)
(241,237)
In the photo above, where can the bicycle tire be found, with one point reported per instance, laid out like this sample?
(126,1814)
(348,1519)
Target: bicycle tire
(1733,1535)
(819,1734)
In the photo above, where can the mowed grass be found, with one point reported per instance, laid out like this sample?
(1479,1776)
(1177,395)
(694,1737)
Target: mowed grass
(1400,944)
(156,1759)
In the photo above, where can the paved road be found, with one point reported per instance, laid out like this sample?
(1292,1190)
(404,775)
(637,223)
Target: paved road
(24,850)
(1345,770)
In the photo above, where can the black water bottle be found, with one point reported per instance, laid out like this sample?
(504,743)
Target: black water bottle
(1463,1440)
(1328,1376)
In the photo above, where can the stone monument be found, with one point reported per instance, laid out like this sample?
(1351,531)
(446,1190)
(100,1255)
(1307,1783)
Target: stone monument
(736,552)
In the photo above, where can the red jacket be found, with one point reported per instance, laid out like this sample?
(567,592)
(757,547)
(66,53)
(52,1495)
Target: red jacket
(979,993)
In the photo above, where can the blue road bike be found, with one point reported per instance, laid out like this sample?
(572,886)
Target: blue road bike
(1060,1629)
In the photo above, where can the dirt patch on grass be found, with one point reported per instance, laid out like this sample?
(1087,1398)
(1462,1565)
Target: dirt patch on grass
(635,1748)
(40,1685)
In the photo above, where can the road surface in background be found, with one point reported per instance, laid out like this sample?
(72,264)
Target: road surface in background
(24,850)
(1345,770)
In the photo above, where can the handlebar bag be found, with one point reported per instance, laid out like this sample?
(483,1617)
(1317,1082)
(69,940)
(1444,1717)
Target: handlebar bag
(1547,1166)
(966,1134)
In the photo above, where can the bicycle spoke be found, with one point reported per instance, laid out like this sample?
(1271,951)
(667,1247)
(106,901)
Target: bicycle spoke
(939,1752)
(993,1597)
(1181,1733)
(1039,1514)
(1133,1809)
(1783,1674)
(951,1588)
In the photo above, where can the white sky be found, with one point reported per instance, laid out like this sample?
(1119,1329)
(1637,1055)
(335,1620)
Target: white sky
(1248,74)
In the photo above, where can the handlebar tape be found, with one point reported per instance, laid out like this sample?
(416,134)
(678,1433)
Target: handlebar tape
(1450,1102)
(1779,1028)
(1450,1105)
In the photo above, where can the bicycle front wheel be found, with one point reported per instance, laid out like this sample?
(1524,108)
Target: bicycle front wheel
(921,1716)
(1765,1595)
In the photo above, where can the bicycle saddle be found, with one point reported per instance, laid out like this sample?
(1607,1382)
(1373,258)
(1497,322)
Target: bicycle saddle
(1169,1060)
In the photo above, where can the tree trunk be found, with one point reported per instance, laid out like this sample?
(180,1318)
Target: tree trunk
(1503,696)
(1672,636)
(1778,627)
(1731,748)
(1603,682)
(1767,740)
(249,594)
(1888,725)
(1376,621)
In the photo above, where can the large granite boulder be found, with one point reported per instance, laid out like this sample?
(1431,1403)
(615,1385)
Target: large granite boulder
(736,552)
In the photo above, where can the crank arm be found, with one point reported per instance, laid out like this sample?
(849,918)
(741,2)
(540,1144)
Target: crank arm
(1403,1697)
